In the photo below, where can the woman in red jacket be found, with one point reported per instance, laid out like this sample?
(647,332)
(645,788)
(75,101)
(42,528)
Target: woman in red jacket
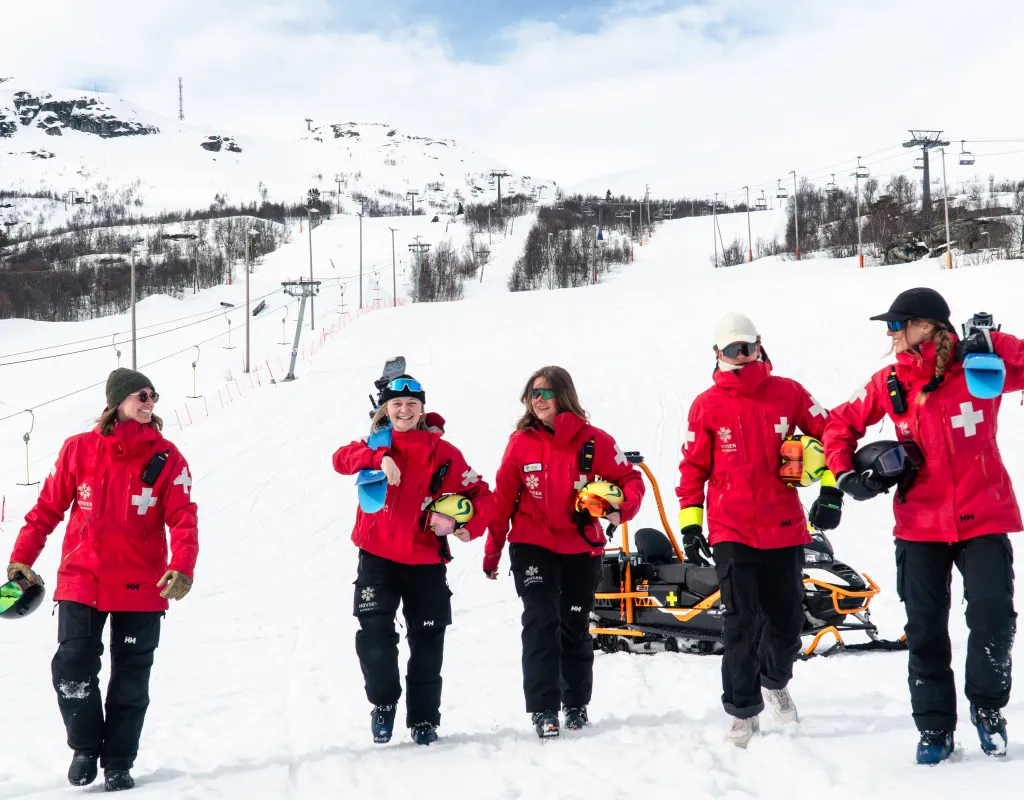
(756,523)
(958,510)
(555,551)
(124,484)
(402,560)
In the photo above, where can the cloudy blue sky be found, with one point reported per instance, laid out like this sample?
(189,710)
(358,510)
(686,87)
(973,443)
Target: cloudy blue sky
(688,95)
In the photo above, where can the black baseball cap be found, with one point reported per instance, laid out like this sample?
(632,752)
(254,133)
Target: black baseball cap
(919,303)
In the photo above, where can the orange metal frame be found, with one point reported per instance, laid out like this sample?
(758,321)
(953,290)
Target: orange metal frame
(626,596)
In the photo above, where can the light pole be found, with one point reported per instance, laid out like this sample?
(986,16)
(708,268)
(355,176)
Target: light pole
(796,213)
(309,220)
(248,261)
(714,227)
(750,240)
(360,215)
(394,280)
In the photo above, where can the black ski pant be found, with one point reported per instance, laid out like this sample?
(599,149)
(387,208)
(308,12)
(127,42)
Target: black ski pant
(762,592)
(924,572)
(134,636)
(558,651)
(423,592)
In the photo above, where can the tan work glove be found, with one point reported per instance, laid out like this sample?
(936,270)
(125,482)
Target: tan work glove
(178,584)
(14,568)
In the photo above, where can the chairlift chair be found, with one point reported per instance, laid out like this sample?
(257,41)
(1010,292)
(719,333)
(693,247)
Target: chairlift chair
(861,171)
(830,187)
(966,157)
(781,192)
(919,162)
(761,204)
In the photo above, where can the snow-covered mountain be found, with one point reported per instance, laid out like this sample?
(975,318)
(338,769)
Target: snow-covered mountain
(92,143)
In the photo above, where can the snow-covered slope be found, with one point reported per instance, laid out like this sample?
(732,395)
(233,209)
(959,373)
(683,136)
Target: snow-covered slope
(93,143)
(257,691)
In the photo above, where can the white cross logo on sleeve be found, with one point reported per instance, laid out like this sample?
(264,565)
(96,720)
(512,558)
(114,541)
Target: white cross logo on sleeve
(578,486)
(184,480)
(968,419)
(688,438)
(783,427)
(426,503)
(469,476)
(860,394)
(144,501)
(620,456)
(817,410)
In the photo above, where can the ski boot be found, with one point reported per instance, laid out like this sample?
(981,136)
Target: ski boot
(545,723)
(424,733)
(117,780)
(742,731)
(382,723)
(934,747)
(991,730)
(783,707)
(83,769)
(576,718)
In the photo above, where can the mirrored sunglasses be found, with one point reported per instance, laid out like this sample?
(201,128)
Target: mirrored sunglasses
(737,349)
(547,394)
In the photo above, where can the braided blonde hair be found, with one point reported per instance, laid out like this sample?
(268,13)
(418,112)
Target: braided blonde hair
(943,352)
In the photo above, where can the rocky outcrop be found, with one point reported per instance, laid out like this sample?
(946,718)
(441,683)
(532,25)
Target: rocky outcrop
(215,143)
(7,123)
(85,114)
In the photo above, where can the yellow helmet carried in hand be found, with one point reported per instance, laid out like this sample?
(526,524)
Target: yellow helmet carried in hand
(456,506)
(803,461)
(599,498)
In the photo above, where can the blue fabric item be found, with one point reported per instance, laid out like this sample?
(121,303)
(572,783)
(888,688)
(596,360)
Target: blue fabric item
(985,373)
(373,483)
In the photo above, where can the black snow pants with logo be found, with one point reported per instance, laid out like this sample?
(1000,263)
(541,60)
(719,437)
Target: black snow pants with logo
(762,591)
(924,572)
(134,636)
(558,651)
(423,591)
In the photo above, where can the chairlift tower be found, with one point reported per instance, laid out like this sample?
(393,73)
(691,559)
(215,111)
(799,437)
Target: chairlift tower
(499,174)
(858,174)
(926,140)
(303,289)
(412,196)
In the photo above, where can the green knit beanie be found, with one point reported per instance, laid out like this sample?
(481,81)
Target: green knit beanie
(123,382)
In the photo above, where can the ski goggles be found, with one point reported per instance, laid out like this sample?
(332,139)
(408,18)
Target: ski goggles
(440,524)
(145,396)
(737,349)
(10,593)
(897,460)
(405,385)
(547,394)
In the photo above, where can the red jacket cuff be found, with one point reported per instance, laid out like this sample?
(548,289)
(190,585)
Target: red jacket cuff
(378,457)
(491,562)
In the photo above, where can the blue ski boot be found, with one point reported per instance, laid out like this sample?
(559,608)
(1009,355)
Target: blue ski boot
(991,730)
(424,733)
(382,723)
(934,747)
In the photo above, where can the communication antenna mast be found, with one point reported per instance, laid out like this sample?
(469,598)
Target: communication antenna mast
(181,101)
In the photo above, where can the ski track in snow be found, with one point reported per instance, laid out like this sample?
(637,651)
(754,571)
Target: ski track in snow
(256,690)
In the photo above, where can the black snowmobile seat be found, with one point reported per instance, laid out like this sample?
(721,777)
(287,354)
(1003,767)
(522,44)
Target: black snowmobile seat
(655,548)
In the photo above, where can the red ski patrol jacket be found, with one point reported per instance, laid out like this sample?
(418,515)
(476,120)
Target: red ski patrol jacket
(963,489)
(396,532)
(537,483)
(115,547)
(732,442)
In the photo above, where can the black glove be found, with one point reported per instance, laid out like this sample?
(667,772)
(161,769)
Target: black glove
(859,487)
(979,341)
(694,544)
(827,509)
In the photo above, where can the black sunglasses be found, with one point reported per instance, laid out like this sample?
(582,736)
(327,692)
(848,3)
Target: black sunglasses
(145,396)
(737,349)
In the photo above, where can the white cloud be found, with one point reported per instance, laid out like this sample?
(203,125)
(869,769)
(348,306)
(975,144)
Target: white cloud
(687,99)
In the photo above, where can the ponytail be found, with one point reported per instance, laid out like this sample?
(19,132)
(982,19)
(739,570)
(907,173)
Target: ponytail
(943,352)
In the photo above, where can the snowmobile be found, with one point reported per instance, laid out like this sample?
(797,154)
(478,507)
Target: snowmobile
(653,600)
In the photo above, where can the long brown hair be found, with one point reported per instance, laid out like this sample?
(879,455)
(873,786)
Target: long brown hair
(381,416)
(566,398)
(943,352)
(108,419)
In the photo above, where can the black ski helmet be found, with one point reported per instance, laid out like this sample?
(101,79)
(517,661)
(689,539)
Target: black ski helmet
(888,462)
(20,597)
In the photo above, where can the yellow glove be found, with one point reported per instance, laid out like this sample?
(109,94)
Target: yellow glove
(178,584)
(14,568)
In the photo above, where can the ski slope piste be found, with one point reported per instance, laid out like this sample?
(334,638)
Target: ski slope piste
(256,689)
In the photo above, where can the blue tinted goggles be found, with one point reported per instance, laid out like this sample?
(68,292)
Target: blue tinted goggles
(895,325)
(405,385)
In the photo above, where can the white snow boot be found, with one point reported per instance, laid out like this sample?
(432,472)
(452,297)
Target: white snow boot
(742,731)
(782,705)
